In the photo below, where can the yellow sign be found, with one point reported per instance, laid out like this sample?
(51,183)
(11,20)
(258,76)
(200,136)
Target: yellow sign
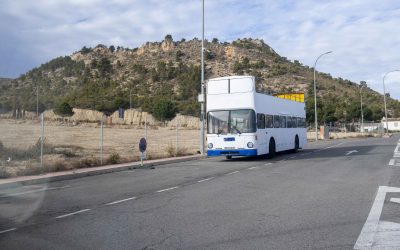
(297,97)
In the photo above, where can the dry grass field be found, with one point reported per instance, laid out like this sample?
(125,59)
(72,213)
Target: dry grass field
(69,146)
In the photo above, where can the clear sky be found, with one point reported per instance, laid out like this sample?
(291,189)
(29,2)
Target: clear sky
(363,34)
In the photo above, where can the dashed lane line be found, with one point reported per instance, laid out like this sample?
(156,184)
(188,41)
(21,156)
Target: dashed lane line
(119,201)
(167,189)
(234,172)
(8,230)
(70,214)
(252,168)
(33,191)
(207,179)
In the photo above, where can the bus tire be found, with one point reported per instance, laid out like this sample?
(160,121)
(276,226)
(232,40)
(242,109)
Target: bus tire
(272,149)
(228,157)
(296,144)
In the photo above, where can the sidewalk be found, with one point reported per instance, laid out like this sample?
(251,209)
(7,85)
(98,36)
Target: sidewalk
(82,172)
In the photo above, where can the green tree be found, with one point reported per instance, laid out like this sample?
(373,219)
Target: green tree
(163,110)
(63,109)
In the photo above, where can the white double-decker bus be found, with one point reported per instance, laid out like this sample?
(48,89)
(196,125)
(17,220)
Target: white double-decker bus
(242,122)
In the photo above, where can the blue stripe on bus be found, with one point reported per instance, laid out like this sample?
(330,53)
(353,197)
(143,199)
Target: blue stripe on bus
(238,152)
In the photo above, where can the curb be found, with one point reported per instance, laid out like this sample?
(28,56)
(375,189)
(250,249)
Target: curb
(69,175)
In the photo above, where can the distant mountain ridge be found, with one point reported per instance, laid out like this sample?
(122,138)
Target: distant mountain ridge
(102,78)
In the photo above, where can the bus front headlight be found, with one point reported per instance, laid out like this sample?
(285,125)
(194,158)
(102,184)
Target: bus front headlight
(250,145)
(210,145)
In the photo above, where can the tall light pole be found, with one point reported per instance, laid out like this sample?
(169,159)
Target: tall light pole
(202,99)
(315,96)
(362,114)
(37,101)
(384,96)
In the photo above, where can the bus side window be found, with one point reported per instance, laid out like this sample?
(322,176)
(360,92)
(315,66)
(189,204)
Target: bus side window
(269,121)
(289,122)
(260,121)
(283,121)
(294,120)
(301,122)
(277,122)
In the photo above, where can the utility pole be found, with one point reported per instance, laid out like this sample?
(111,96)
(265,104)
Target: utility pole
(130,98)
(37,101)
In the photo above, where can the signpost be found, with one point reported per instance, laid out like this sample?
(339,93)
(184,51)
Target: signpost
(142,149)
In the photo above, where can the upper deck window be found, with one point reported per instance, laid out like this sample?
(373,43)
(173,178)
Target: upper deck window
(230,86)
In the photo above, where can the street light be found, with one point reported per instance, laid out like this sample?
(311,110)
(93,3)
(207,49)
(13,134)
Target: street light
(315,96)
(202,88)
(362,115)
(384,97)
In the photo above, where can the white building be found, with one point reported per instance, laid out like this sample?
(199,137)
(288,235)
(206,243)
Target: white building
(393,124)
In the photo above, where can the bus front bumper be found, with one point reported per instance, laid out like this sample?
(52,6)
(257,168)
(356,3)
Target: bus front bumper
(232,152)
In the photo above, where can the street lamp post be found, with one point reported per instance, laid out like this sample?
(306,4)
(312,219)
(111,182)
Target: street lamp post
(384,96)
(202,88)
(315,96)
(362,114)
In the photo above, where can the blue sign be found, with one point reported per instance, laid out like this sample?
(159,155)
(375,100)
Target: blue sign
(142,145)
(229,139)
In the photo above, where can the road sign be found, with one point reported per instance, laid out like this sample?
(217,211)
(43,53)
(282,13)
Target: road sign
(142,145)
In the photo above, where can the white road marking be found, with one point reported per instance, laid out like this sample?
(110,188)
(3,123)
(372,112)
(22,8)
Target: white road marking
(391,162)
(292,157)
(377,234)
(395,200)
(77,212)
(207,179)
(8,230)
(232,173)
(352,151)
(268,164)
(167,189)
(252,168)
(334,145)
(116,202)
(33,191)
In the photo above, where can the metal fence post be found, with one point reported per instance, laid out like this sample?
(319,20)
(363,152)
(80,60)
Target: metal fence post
(101,139)
(177,136)
(41,142)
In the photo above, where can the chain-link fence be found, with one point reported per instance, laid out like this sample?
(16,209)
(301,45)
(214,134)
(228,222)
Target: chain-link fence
(346,130)
(34,146)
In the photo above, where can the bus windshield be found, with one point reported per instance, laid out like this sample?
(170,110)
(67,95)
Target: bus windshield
(231,121)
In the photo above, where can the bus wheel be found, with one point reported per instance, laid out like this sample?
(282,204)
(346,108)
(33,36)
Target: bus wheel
(272,149)
(296,144)
(228,157)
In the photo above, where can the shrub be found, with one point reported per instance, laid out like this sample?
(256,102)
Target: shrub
(114,158)
(64,109)
(4,174)
(164,110)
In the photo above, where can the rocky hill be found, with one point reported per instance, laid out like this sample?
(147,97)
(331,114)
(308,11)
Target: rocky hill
(103,78)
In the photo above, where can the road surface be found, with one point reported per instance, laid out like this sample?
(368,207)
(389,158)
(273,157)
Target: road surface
(340,194)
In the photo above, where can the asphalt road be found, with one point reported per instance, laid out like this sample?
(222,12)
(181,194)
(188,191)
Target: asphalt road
(331,195)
